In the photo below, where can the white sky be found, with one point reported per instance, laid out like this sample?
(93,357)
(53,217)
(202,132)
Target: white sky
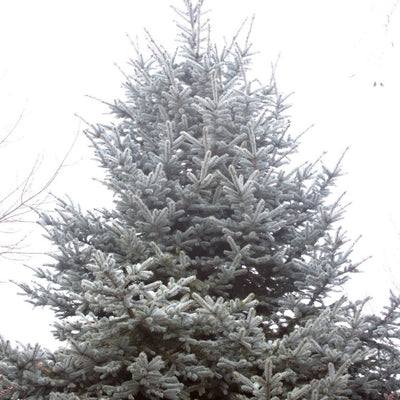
(53,53)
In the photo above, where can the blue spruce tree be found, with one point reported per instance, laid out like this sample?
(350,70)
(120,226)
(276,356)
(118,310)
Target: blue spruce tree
(212,276)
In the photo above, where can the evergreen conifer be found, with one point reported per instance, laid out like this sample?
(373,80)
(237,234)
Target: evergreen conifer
(212,277)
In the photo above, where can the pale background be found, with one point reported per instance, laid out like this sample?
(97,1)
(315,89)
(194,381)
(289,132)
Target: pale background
(340,57)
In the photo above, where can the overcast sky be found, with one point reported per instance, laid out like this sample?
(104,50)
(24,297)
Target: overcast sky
(340,58)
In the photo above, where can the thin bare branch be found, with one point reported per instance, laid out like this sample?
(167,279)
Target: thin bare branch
(22,201)
(11,131)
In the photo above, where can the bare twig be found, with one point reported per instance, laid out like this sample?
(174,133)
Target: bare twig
(11,131)
(21,201)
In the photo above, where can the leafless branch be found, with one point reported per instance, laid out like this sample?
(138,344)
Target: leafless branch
(11,131)
(22,201)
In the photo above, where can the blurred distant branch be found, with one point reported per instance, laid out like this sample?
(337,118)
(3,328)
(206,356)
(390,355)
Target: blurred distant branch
(391,258)
(20,203)
(10,132)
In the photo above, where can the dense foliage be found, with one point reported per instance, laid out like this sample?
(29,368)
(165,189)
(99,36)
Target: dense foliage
(212,277)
